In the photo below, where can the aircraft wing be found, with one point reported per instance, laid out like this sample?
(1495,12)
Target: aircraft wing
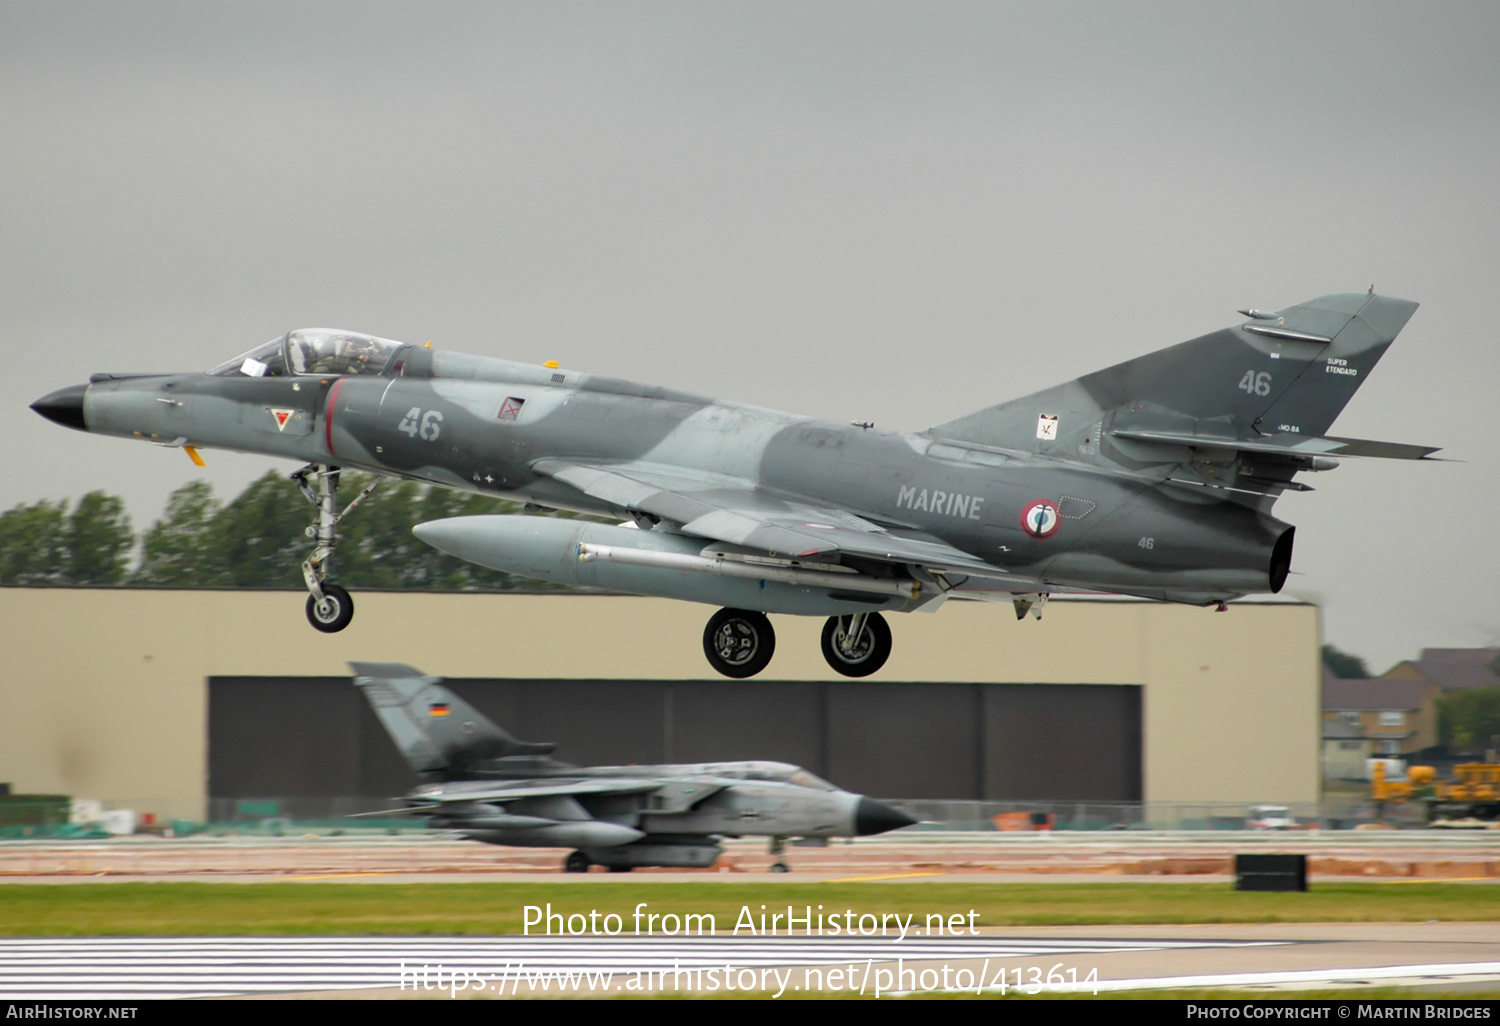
(506,791)
(732,511)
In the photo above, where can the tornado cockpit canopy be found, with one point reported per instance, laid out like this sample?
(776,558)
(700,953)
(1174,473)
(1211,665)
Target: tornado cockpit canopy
(313,351)
(781,772)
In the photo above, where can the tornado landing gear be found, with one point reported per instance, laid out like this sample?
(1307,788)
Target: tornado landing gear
(856,645)
(329,607)
(739,642)
(778,845)
(576,862)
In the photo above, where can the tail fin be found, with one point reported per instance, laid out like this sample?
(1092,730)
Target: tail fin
(1293,371)
(436,731)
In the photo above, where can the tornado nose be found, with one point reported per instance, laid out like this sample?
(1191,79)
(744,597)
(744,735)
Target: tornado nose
(65,406)
(872,817)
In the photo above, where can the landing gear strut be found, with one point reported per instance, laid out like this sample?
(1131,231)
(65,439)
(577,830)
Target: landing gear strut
(739,642)
(329,607)
(856,645)
(778,845)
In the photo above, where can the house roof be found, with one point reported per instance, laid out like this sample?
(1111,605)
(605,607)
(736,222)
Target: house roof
(1341,730)
(1373,694)
(1458,667)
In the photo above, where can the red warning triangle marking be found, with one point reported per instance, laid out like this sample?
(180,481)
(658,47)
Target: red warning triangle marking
(282,416)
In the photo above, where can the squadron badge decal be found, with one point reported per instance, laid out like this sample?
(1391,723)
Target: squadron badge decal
(1040,519)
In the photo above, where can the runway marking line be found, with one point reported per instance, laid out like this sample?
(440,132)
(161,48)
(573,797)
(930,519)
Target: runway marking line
(893,876)
(342,876)
(1436,879)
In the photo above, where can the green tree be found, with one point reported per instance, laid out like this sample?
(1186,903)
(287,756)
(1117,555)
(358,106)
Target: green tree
(1343,664)
(377,549)
(1468,720)
(178,550)
(34,544)
(257,540)
(99,540)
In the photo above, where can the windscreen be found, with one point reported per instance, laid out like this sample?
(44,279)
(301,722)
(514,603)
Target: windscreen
(267,361)
(313,351)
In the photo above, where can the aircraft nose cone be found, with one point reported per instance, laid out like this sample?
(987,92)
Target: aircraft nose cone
(872,817)
(65,406)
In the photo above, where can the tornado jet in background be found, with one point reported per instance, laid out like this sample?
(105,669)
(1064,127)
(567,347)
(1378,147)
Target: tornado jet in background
(1153,478)
(492,788)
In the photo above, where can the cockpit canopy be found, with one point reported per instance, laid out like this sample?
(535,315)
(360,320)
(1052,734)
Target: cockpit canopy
(313,351)
(780,772)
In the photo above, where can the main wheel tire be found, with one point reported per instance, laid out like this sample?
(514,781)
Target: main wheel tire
(739,643)
(870,654)
(576,862)
(780,867)
(333,612)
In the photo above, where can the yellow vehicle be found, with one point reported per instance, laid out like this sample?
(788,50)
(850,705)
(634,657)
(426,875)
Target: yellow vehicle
(1474,794)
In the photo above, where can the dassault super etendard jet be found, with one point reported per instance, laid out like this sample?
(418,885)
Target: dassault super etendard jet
(481,781)
(1153,478)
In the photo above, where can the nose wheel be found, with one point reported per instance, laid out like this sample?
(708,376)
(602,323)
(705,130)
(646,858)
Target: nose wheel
(777,848)
(856,645)
(331,612)
(739,643)
(329,607)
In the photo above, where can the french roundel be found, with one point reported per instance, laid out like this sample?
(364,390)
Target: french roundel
(1040,519)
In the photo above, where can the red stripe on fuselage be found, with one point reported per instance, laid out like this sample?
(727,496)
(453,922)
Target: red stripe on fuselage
(333,394)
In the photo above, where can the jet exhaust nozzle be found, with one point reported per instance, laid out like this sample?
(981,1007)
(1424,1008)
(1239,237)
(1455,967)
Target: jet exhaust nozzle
(65,407)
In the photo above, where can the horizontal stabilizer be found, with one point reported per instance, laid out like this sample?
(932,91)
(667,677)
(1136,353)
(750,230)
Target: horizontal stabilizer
(1286,444)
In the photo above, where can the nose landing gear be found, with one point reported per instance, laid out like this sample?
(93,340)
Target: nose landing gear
(777,848)
(329,607)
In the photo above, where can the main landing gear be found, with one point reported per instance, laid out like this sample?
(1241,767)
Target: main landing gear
(576,862)
(739,643)
(329,607)
(858,644)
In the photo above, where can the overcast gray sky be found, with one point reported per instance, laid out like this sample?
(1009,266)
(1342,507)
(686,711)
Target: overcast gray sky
(866,211)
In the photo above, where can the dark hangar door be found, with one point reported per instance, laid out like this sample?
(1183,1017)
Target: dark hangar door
(315,737)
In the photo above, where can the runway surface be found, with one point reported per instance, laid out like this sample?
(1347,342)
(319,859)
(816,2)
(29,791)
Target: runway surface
(1273,958)
(1102,854)
(129,968)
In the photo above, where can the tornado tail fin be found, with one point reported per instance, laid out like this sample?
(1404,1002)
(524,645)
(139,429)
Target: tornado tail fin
(436,731)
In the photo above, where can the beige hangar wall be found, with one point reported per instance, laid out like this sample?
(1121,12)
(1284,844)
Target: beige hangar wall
(103,694)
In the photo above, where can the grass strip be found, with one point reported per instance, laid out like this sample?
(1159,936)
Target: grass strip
(351,909)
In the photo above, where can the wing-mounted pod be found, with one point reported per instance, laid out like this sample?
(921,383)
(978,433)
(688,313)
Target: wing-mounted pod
(437,732)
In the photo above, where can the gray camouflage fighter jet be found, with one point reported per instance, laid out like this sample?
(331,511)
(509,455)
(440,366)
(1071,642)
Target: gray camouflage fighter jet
(1153,478)
(493,788)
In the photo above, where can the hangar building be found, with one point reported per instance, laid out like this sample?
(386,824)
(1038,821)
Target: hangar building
(183,703)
